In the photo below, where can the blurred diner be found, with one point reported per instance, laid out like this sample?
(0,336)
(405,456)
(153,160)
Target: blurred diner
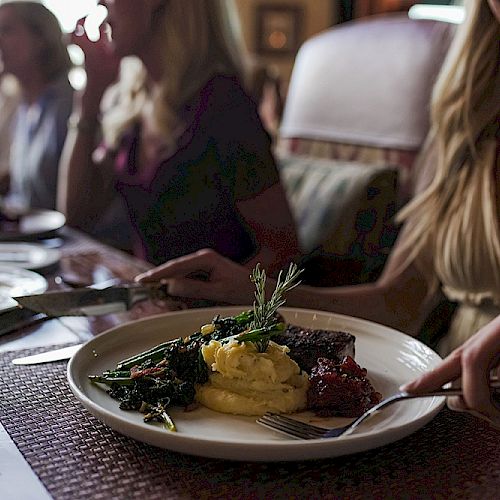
(450,241)
(165,122)
(36,102)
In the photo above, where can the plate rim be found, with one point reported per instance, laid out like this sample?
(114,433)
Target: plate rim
(226,449)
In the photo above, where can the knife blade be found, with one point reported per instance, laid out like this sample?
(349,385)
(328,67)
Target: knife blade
(49,356)
(18,317)
(91,302)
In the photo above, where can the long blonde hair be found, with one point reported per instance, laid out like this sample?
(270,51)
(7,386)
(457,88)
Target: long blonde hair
(465,122)
(200,38)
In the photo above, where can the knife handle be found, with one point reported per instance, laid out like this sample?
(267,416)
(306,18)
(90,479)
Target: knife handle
(139,293)
(19,317)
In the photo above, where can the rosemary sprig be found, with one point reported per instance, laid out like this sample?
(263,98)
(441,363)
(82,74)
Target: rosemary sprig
(265,311)
(264,324)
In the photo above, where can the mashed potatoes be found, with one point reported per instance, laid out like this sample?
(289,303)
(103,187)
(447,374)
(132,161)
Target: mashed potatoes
(244,381)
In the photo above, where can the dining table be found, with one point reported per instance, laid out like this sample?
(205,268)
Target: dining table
(52,447)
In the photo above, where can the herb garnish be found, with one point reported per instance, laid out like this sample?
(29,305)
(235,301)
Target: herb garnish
(264,324)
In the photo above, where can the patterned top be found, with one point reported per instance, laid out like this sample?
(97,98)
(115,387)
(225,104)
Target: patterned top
(187,200)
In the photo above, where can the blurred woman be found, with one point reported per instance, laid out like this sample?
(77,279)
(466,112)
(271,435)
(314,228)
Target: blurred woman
(182,141)
(32,50)
(451,239)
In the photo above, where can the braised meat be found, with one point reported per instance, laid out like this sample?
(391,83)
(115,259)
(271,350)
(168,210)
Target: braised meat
(341,390)
(307,345)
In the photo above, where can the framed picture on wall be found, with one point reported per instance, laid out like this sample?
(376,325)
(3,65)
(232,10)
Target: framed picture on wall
(278,29)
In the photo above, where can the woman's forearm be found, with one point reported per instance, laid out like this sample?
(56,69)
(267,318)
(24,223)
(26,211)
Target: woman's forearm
(400,298)
(83,189)
(402,305)
(274,229)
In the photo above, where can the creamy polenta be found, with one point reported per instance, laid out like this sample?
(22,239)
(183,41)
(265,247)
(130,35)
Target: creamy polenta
(244,381)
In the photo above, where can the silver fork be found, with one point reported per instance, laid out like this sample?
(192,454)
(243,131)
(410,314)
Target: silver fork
(301,430)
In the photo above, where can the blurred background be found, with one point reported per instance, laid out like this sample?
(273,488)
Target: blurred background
(274,29)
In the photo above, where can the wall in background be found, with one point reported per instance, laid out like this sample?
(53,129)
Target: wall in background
(373,7)
(316,16)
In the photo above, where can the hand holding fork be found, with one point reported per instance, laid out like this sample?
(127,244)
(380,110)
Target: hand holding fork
(302,430)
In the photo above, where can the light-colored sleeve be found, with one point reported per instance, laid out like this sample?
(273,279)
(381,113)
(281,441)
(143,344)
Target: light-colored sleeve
(8,106)
(49,144)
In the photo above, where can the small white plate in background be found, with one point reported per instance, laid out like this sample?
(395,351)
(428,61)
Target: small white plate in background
(16,281)
(28,255)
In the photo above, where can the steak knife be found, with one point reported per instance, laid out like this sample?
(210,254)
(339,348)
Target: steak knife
(90,302)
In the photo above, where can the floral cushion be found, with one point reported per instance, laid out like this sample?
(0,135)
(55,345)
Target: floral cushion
(341,208)
(401,159)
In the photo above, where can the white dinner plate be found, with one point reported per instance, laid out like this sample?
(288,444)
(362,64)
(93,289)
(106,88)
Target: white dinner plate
(28,255)
(391,358)
(16,281)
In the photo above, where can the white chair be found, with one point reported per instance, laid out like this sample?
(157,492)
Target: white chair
(361,91)
(358,103)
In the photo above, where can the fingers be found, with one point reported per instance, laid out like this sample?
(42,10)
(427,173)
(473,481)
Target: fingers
(199,262)
(447,371)
(192,288)
(474,361)
(89,34)
(80,23)
(478,360)
(78,32)
(204,275)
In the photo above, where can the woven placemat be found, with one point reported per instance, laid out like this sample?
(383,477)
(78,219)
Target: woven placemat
(76,456)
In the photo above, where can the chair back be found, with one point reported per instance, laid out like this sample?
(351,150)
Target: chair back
(361,91)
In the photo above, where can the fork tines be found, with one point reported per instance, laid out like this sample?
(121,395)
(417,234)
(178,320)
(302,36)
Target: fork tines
(291,427)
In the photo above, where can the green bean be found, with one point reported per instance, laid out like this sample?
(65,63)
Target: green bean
(244,317)
(116,373)
(97,379)
(155,353)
